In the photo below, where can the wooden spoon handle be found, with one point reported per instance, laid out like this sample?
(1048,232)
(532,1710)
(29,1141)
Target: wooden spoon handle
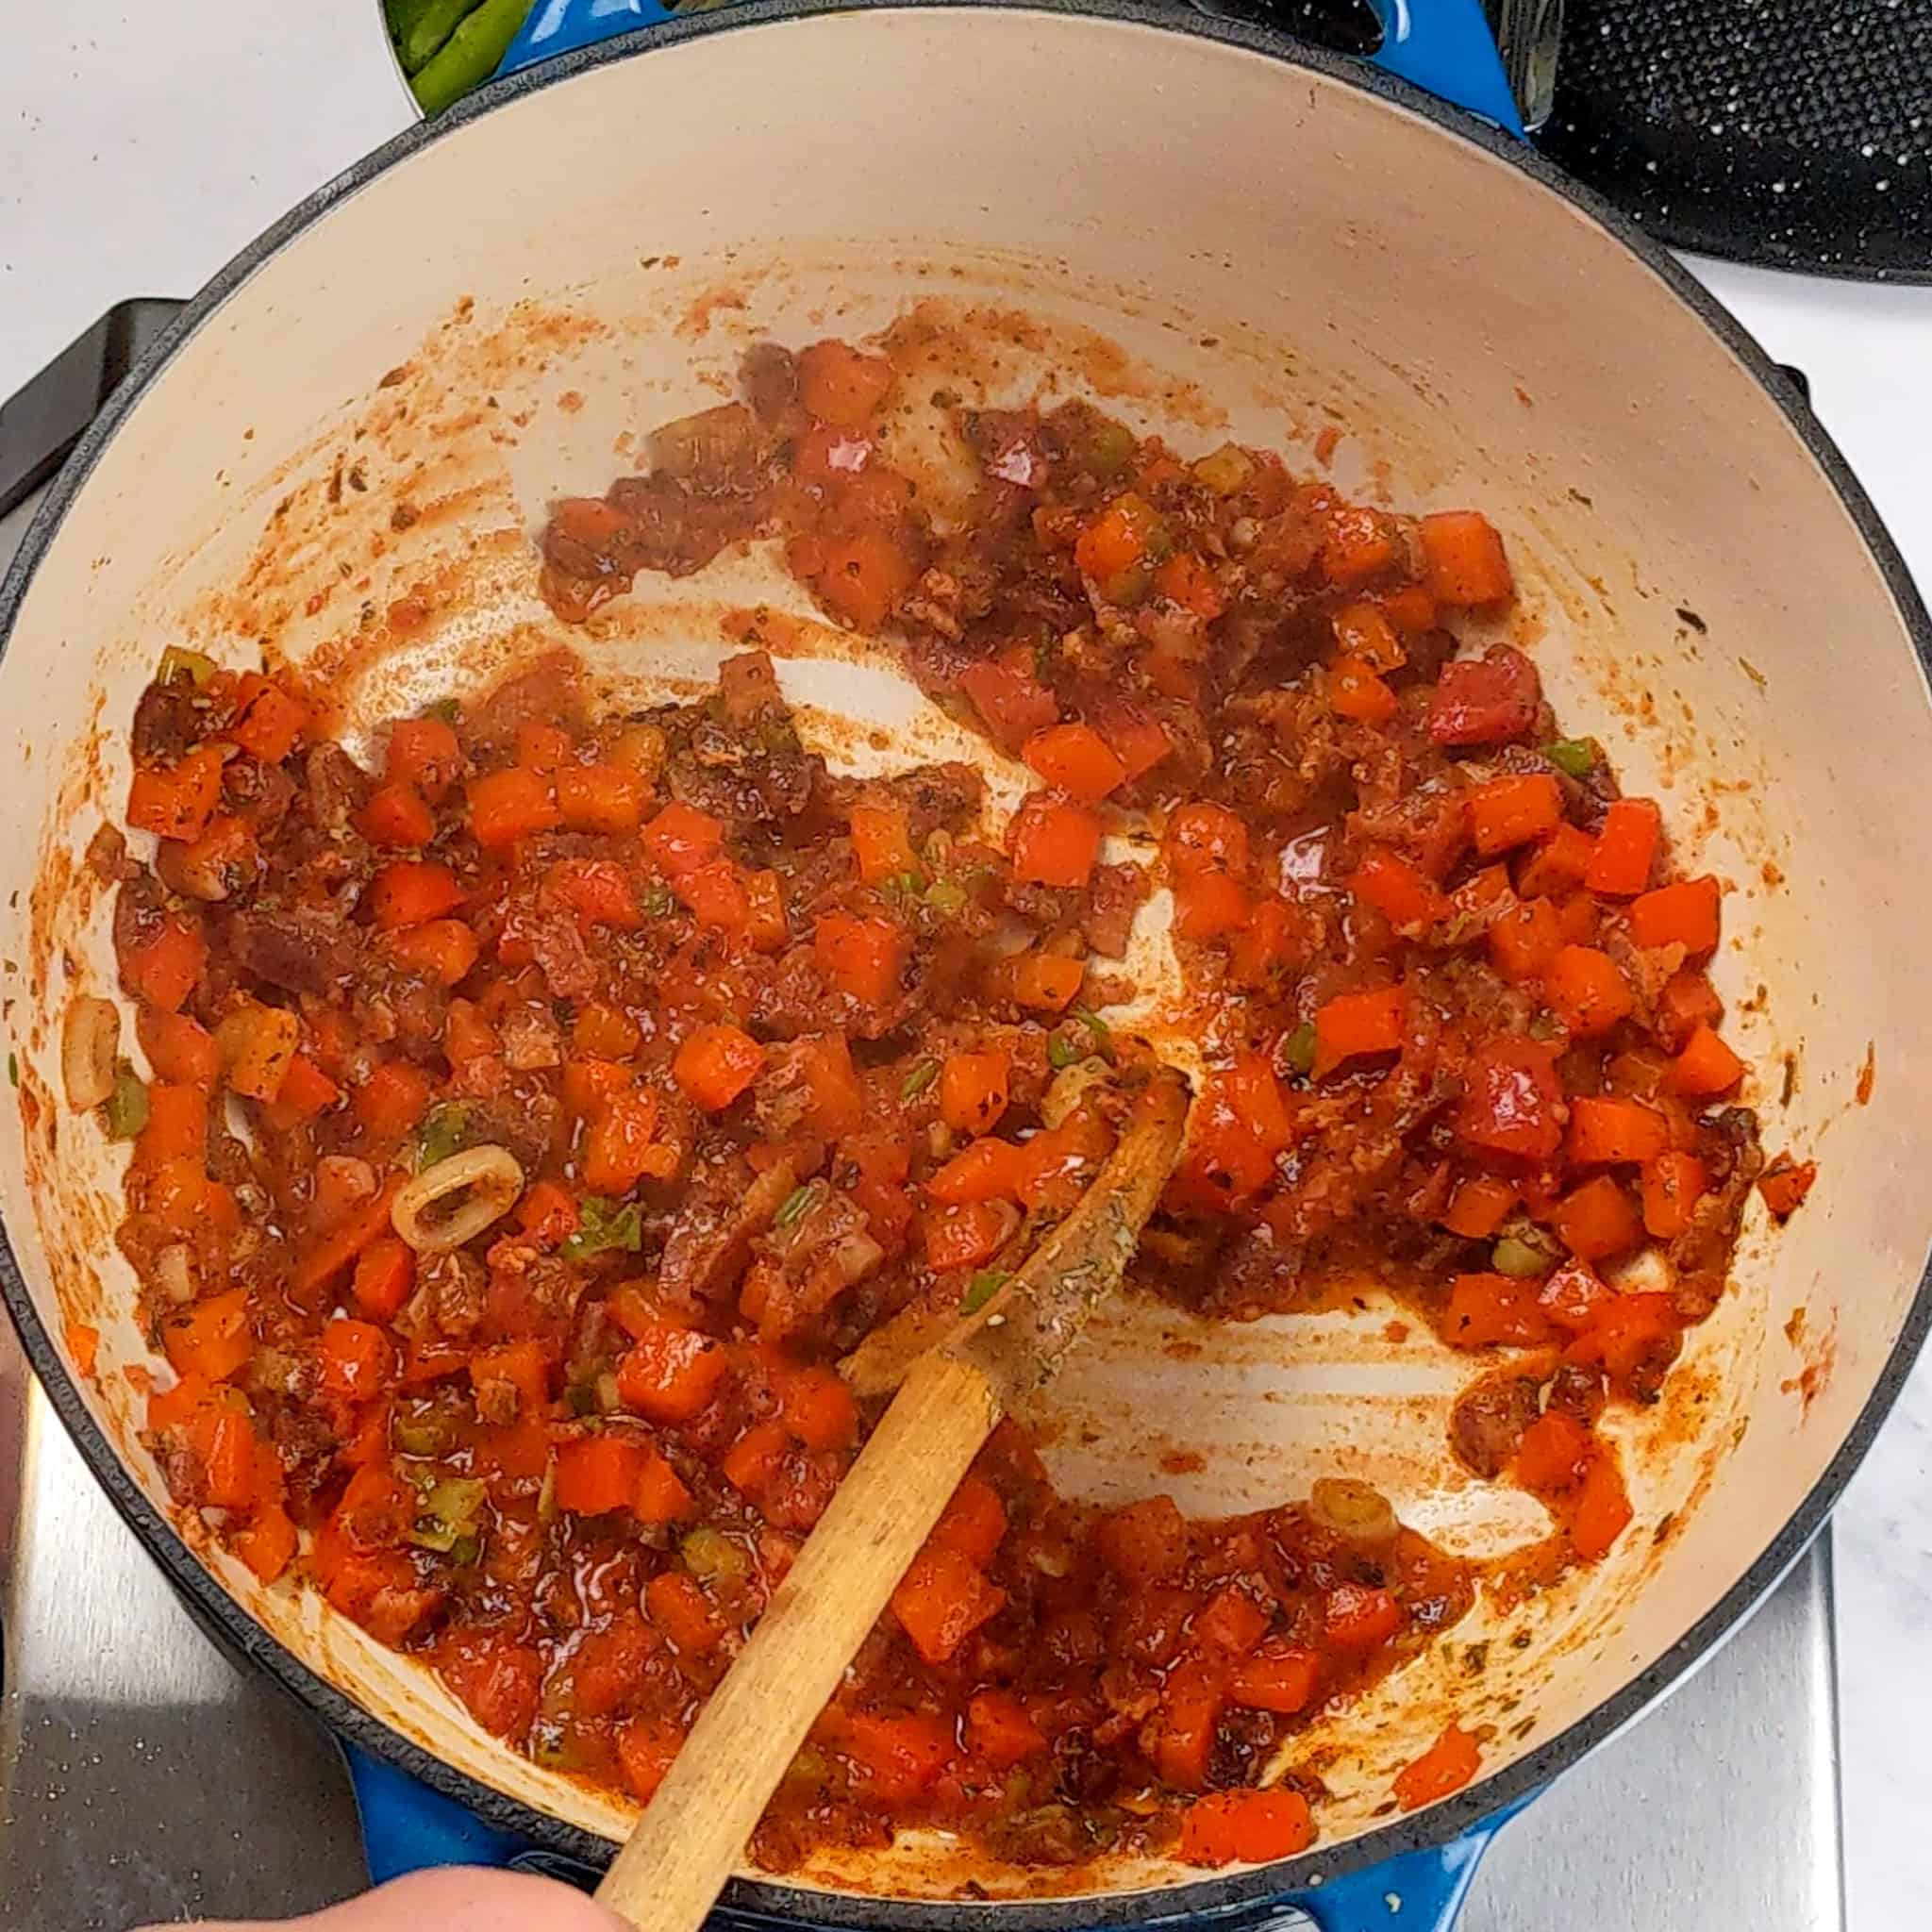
(694,1830)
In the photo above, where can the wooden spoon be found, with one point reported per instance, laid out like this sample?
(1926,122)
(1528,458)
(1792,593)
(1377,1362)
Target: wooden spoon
(694,1830)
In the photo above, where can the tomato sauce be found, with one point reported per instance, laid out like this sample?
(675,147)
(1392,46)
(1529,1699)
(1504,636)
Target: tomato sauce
(538,1115)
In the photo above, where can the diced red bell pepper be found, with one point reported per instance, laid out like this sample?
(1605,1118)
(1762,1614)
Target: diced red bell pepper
(715,1064)
(671,1373)
(1463,558)
(1626,848)
(424,755)
(357,1360)
(1279,1676)
(396,816)
(1446,1766)
(1512,1099)
(1001,1730)
(942,1600)
(510,804)
(841,385)
(881,837)
(1053,842)
(1507,811)
(1355,1024)
(859,956)
(1685,914)
(268,721)
(1077,761)
(598,1474)
(1487,700)
(1245,1827)
(1358,1616)
(1013,702)
(412,892)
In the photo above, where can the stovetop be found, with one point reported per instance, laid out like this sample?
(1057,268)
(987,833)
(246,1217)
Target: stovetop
(145,1777)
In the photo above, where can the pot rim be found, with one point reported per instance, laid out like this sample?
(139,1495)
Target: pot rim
(1492,1796)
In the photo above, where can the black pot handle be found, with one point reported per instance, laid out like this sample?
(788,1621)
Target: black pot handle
(42,422)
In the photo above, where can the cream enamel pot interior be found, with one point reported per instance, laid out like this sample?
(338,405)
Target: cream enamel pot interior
(1217,236)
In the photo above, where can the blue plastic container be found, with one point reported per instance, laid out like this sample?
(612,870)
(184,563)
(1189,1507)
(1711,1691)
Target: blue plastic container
(1442,46)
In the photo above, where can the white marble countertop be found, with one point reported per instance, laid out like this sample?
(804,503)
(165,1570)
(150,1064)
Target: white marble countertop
(140,146)
(1865,350)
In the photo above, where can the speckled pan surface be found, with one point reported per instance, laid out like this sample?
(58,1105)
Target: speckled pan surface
(1770,131)
(470,326)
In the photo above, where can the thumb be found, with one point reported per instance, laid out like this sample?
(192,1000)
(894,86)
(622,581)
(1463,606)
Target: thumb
(454,1898)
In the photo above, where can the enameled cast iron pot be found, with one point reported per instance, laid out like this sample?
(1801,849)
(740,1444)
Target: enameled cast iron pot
(1220,235)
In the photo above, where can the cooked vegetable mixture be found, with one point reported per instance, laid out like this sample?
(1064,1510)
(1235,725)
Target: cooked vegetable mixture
(536,1118)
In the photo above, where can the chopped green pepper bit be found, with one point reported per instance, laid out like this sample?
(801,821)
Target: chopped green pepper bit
(180,665)
(125,1110)
(1575,756)
(444,1132)
(1523,1250)
(1111,450)
(1061,1052)
(946,897)
(1298,1049)
(919,1079)
(1518,1258)
(981,1290)
(423,1431)
(711,1556)
(1102,1032)
(776,732)
(796,1204)
(1224,470)
(448,1516)
(659,902)
(556,1749)
(604,1225)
